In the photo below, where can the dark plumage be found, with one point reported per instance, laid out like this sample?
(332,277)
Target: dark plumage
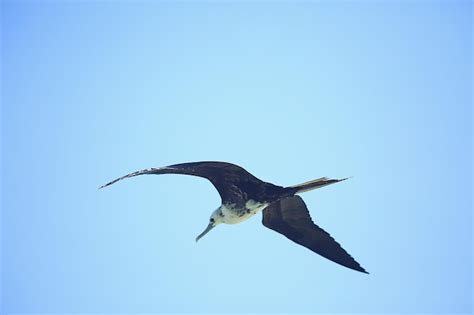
(290,217)
(243,195)
(234,184)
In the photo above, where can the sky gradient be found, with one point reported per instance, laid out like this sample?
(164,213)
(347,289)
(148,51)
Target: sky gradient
(290,91)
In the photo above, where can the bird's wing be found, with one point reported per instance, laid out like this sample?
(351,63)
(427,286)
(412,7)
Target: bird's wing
(233,183)
(291,218)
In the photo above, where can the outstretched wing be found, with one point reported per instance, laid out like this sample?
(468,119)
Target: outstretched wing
(291,218)
(234,184)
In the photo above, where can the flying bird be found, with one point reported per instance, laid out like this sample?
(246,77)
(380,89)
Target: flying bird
(244,195)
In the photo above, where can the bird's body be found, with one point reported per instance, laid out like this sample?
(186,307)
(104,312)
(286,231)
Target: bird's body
(232,214)
(243,196)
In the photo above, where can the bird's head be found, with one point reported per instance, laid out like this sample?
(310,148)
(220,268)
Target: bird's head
(214,220)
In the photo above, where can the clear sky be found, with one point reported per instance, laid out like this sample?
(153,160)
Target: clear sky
(291,91)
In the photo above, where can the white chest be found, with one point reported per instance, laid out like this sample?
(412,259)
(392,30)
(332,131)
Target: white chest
(233,215)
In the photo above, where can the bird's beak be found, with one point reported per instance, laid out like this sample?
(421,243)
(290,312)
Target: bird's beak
(209,227)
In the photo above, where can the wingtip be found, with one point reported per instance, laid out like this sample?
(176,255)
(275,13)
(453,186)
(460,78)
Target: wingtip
(363,270)
(108,184)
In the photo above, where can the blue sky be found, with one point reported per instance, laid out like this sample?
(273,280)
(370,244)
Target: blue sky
(292,92)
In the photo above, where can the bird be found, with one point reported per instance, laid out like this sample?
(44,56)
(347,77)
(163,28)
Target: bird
(243,195)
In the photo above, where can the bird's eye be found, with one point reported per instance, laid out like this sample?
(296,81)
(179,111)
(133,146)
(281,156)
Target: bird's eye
(212,220)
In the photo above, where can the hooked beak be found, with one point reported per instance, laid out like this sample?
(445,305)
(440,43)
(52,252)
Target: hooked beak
(209,227)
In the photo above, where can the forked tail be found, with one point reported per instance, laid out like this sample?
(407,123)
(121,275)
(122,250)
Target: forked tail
(316,183)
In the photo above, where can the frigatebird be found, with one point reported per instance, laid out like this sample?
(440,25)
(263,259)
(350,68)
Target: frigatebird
(244,195)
